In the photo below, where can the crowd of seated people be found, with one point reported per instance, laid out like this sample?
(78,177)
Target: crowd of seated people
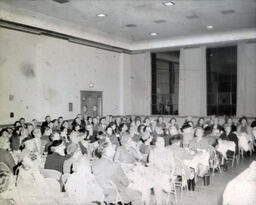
(108,160)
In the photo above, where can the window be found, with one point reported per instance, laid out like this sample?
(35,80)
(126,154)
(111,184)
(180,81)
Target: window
(221,80)
(165,83)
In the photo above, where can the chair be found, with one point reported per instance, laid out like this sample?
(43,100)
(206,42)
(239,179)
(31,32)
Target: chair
(214,161)
(50,173)
(232,158)
(181,183)
(172,188)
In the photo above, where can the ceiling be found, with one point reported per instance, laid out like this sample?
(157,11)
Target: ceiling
(185,19)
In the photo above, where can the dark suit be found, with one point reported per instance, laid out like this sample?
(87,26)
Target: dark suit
(55,161)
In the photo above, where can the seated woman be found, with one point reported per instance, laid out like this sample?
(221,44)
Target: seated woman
(5,156)
(180,155)
(81,185)
(161,164)
(112,179)
(31,187)
(243,126)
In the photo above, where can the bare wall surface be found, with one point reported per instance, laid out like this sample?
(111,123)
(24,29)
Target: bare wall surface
(44,74)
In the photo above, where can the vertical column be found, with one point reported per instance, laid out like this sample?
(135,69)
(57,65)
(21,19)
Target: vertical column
(192,82)
(246,79)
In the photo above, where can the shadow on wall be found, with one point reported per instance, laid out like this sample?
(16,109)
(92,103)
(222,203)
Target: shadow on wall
(27,69)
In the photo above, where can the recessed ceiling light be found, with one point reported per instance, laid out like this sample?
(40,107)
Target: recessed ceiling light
(101,15)
(131,25)
(192,16)
(168,3)
(153,34)
(209,27)
(227,12)
(160,21)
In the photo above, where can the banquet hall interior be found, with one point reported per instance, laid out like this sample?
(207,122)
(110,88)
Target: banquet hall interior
(109,102)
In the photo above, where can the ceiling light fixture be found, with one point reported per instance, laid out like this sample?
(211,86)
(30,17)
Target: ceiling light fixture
(168,3)
(101,15)
(209,27)
(153,34)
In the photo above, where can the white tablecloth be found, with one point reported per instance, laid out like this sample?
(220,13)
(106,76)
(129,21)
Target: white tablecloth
(242,189)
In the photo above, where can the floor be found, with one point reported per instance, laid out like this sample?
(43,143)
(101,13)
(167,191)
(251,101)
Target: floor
(212,194)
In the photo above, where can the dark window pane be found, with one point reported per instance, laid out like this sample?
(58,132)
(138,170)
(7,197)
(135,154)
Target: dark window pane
(165,83)
(221,80)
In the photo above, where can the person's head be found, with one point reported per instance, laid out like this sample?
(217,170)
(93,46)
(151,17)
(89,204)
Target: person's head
(94,121)
(109,130)
(85,108)
(30,128)
(89,119)
(123,127)
(76,127)
(47,131)
(147,130)
(55,136)
(34,122)
(140,128)
(243,121)
(4,139)
(48,118)
(58,147)
(160,119)
(217,131)
(36,133)
(29,144)
(229,120)
(77,120)
(113,125)
(227,128)
(199,132)
(17,124)
(22,121)
(137,122)
(186,128)
(65,124)
(18,130)
(173,121)
(102,121)
(200,121)
(60,120)
(146,121)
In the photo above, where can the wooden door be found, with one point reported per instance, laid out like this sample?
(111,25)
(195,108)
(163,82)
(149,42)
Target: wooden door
(91,103)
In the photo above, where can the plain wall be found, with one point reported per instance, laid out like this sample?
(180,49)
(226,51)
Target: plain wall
(141,84)
(246,79)
(44,74)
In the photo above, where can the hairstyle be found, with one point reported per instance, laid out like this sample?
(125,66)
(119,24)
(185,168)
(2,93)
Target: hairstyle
(4,130)
(16,122)
(200,118)
(243,118)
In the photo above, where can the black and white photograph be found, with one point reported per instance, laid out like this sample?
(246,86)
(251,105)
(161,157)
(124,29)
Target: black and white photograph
(127,102)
